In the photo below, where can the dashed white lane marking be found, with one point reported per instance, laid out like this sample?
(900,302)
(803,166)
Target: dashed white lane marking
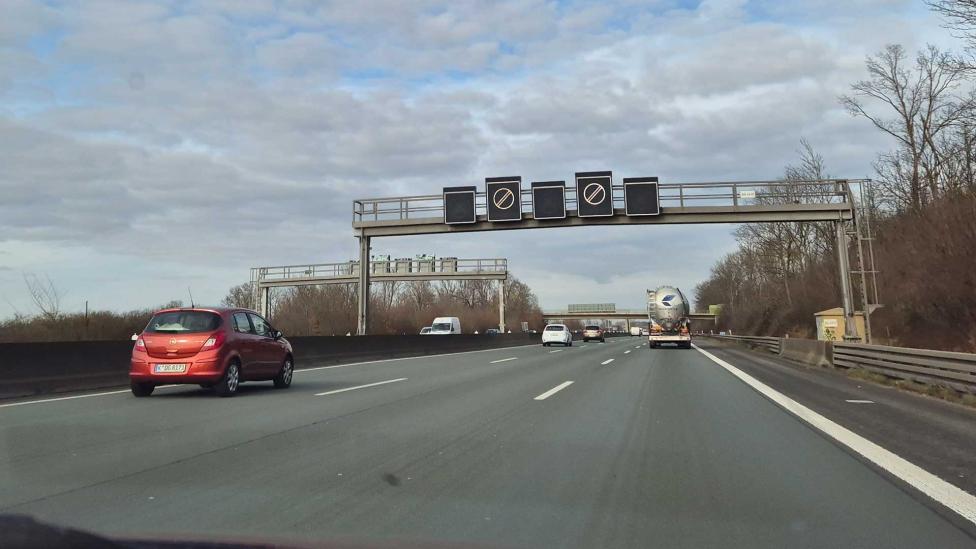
(627,351)
(503,360)
(556,351)
(934,487)
(431,357)
(554,390)
(360,386)
(859,401)
(297,371)
(605,362)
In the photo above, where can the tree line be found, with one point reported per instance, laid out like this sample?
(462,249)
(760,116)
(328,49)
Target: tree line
(922,206)
(395,308)
(401,307)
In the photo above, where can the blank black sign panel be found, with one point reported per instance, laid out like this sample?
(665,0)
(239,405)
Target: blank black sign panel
(549,200)
(594,194)
(641,196)
(459,205)
(504,196)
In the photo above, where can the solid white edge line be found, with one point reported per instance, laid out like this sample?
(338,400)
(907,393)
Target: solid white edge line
(554,390)
(956,499)
(72,397)
(64,398)
(605,362)
(503,360)
(360,387)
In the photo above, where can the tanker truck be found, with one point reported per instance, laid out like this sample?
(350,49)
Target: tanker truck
(667,317)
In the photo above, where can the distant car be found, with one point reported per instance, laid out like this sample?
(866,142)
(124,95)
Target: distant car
(491,331)
(219,348)
(593,332)
(557,333)
(425,330)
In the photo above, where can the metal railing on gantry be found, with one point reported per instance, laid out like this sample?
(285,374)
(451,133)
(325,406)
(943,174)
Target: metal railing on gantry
(707,202)
(442,268)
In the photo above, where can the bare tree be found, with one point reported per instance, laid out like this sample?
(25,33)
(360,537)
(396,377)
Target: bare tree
(919,102)
(960,17)
(45,295)
(420,294)
(774,281)
(242,295)
(786,249)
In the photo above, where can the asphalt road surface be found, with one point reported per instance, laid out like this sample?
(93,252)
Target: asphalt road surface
(597,445)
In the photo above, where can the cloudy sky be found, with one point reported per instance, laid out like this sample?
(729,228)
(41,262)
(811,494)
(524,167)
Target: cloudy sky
(146,147)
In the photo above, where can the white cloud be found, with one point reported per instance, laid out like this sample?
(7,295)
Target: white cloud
(185,143)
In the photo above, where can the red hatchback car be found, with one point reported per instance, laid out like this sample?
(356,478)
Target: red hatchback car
(219,348)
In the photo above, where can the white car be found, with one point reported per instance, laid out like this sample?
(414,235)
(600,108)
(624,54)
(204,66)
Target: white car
(425,330)
(557,333)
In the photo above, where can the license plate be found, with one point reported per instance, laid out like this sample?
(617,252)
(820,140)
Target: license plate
(169,368)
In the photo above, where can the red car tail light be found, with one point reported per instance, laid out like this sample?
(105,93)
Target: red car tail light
(214,341)
(140,344)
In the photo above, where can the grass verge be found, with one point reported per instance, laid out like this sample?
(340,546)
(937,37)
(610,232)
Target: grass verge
(944,393)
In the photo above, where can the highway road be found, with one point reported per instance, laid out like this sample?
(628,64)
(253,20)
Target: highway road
(597,445)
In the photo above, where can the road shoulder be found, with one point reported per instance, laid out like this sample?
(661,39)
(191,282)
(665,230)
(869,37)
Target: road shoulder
(936,435)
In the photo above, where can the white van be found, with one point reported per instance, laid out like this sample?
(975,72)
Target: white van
(445,325)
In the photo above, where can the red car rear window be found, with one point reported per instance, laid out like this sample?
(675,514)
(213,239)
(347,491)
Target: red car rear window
(183,322)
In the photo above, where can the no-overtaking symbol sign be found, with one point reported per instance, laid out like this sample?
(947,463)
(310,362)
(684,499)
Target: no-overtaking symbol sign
(504,198)
(594,194)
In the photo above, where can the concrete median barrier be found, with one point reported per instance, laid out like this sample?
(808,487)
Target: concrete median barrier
(28,369)
(807,351)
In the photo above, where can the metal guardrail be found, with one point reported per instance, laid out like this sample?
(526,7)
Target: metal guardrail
(771,344)
(674,195)
(403,266)
(944,368)
(941,368)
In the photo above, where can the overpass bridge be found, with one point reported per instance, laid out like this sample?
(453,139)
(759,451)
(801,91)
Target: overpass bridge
(617,314)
